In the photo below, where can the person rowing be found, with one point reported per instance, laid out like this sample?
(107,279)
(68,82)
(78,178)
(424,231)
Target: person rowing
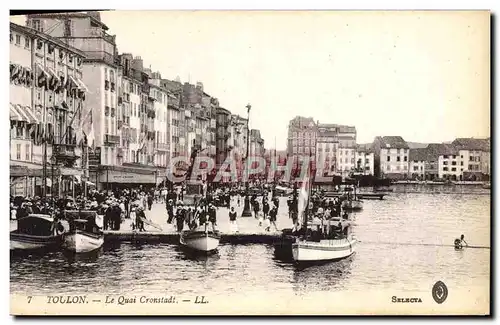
(459,242)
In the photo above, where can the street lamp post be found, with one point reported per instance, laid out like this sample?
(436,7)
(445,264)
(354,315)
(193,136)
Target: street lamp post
(246,207)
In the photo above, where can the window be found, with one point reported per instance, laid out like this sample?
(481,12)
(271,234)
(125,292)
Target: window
(398,158)
(18,151)
(11,38)
(453,169)
(471,158)
(20,131)
(397,168)
(388,158)
(461,163)
(445,157)
(461,157)
(27,42)
(36,24)
(18,39)
(454,163)
(445,169)
(415,168)
(105,158)
(406,158)
(27,152)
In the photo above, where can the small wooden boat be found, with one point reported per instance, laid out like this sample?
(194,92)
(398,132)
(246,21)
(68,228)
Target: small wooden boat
(200,241)
(336,245)
(84,234)
(36,231)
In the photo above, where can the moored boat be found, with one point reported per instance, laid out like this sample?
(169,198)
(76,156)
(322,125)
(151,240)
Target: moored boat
(317,246)
(200,241)
(36,231)
(84,234)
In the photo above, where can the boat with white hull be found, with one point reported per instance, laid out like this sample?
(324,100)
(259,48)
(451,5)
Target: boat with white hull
(200,241)
(80,241)
(36,231)
(84,234)
(324,250)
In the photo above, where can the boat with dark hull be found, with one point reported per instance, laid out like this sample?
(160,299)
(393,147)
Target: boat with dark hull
(37,232)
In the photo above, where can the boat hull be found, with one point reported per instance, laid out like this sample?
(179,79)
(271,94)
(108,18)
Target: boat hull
(325,250)
(82,242)
(200,241)
(20,241)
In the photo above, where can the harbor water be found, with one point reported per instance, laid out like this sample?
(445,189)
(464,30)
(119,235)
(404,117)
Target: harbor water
(405,245)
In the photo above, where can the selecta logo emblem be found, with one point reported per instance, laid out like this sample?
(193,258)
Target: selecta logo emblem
(439,292)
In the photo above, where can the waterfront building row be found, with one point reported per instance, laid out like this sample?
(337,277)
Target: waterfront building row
(134,121)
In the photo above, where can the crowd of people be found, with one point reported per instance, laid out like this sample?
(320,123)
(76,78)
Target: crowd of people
(117,205)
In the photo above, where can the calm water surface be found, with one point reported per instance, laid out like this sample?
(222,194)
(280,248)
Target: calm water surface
(401,249)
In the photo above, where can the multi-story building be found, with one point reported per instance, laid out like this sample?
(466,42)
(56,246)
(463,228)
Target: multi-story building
(161,146)
(301,136)
(336,148)
(418,160)
(431,165)
(475,158)
(364,159)
(47,102)
(391,157)
(256,143)
(86,31)
(326,148)
(222,136)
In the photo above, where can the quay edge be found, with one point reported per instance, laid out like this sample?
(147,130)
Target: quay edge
(173,237)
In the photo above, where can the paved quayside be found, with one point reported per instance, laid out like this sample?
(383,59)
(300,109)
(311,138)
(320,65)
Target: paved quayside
(249,229)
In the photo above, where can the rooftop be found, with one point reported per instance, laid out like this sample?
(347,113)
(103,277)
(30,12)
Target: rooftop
(472,144)
(395,142)
(418,154)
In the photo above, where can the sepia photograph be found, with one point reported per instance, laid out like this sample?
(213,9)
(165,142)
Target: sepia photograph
(250,163)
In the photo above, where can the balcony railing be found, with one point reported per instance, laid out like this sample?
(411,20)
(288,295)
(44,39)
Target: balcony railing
(111,139)
(65,153)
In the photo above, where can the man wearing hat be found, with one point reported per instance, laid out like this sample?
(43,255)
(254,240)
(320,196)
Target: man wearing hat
(139,214)
(180,216)
(212,216)
(170,210)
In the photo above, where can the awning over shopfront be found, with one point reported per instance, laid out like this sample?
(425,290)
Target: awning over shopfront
(81,85)
(22,111)
(30,114)
(14,113)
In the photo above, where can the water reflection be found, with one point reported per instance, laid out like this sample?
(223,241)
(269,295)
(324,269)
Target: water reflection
(320,277)
(400,221)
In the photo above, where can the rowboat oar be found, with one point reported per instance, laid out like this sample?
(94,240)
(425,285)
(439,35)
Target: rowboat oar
(421,244)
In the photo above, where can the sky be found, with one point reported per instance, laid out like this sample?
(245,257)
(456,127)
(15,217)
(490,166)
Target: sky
(422,75)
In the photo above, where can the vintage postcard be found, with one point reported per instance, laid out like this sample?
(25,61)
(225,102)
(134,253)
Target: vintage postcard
(250,163)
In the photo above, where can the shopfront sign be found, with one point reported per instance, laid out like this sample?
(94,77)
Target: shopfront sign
(112,176)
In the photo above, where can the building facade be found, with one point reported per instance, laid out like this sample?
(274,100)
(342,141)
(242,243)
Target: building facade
(364,161)
(391,157)
(47,100)
(475,158)
(418,159)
